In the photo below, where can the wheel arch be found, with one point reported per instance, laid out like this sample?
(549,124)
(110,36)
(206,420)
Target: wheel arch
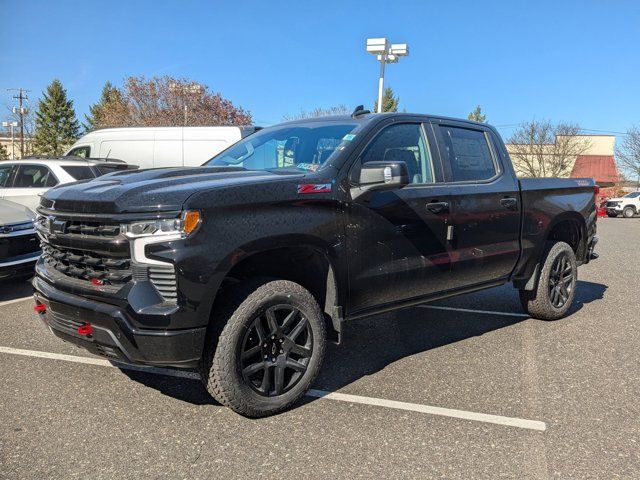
(303,259)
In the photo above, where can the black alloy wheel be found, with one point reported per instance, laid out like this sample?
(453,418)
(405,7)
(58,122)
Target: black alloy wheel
(560,281)
(276,350)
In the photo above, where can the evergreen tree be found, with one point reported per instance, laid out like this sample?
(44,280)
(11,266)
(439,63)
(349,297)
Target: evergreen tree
(111,97)
(477,115)
(56,123)
(3,152)
(389,101)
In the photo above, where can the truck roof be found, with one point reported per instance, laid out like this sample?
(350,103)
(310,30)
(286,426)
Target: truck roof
(369,117)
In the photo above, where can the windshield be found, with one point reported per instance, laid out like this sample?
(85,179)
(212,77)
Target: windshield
(632,195)
(301,147)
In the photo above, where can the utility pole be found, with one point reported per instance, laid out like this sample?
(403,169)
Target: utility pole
(386,53)
(21,111)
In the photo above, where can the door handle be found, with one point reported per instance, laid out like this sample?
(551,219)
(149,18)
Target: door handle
(510,203)
(438,207)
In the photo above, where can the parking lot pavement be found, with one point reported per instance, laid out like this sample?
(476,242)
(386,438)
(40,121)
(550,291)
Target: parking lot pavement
(579,377)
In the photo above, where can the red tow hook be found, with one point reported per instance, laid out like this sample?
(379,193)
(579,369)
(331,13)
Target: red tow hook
(85,329)
(40,308)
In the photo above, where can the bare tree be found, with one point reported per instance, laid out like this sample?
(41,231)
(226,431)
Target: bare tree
(543,149)
(628,154)
(166,101)
(319,112)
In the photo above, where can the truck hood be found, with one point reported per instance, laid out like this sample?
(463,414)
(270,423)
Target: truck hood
(153,190)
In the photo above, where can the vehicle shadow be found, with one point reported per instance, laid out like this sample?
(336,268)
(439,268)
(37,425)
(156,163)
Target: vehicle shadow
(11,289)
(371,344)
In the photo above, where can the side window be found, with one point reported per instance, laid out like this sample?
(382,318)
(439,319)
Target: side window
(5,173)
(405,143)
(82,152)
(468,154)
(34,176)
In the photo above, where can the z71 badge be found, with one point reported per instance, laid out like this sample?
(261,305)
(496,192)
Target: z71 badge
(304,188)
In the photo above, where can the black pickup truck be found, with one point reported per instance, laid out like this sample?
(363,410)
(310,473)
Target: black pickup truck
(245,267)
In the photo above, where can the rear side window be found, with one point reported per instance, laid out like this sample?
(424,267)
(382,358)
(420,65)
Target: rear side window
(5,173)
(468,154)
(83,152)
(80,172)
(34,176)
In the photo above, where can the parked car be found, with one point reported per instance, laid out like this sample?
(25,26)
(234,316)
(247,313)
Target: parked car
(246,267)
(628,206)
(24,181)
(153,147)
(19,244)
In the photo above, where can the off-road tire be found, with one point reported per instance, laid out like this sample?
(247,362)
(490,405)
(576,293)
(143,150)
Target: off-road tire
(220,367)
(628,212)
(537,303)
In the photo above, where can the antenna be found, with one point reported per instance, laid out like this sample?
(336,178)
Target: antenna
(359,111)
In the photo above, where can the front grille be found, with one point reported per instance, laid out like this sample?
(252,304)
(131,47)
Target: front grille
(85,265)
(612,204)
(80,251)
(18,245)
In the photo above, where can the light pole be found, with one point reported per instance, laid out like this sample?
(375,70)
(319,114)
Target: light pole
(386,53)
(190,89)
(12,125)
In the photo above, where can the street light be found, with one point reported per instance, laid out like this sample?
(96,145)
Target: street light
(386,53)
(193,88)
(12,125)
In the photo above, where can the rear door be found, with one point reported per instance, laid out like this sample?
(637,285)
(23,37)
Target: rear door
(485,203)
(397,238)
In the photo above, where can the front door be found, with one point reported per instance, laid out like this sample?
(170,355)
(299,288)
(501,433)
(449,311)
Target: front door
(5,177)
(397,238)
(29,184)
(485,204)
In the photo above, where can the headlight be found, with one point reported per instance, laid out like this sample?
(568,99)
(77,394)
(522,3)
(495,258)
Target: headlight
(185,225)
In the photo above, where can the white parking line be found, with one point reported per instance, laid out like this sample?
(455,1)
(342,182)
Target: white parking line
(341,397)
(468,310)
(15,300)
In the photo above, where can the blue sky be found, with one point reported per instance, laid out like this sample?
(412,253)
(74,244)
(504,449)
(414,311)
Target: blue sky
(561,60)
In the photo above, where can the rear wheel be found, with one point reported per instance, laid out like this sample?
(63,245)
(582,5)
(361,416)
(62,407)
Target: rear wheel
(269,351)
(628,212)
(556,286)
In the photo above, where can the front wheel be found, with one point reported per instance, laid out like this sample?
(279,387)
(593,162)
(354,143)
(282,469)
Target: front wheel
(269,351)
(628,212)
(556,287)
(612,215)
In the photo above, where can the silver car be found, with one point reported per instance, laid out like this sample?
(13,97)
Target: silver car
(19,244)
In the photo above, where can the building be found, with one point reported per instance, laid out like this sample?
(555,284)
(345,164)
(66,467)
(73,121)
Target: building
(5,141)
(592,157)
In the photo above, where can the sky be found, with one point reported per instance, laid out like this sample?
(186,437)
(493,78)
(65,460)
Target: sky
(572,61)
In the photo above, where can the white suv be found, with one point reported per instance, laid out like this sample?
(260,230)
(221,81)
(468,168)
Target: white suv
(24,181)
(628,205)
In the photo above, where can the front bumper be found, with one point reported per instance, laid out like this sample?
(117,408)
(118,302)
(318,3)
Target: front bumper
(113,334)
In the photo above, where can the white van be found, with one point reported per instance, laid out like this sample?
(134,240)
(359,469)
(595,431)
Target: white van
(150,147)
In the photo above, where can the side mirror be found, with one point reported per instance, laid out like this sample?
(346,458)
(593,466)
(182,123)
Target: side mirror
(382,176)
